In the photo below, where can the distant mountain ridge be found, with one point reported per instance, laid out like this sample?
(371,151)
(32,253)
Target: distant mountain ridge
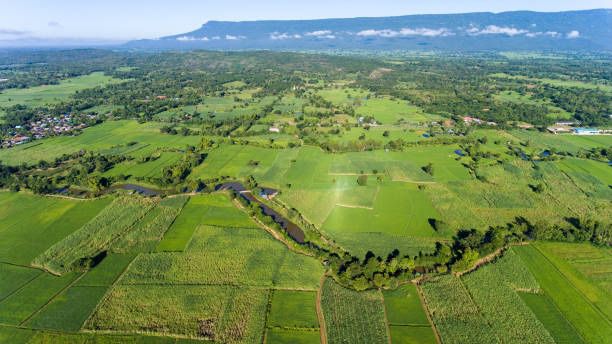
(589,30)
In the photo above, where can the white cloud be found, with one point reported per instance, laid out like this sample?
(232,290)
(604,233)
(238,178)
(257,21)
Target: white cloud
(321,34)
(234,38)
(277,36)
(216,38)
(54,24)
(380,33)
(191,38)
(497,30)
(553,34)
(573,34)
(442,32)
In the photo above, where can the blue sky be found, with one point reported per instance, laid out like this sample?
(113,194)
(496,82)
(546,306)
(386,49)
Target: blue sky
(117,20)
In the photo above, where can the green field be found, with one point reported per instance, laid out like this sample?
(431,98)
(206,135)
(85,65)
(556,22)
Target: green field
(281,336)
(227,314)
(69,310)
(26,302)
(388,111)
(353,317)
(96,236)
(50,94)
(440,224)
(404,307)
(98,138)
(557,82)
(49,220)
(590,323)
(293,309)
(215,255)
(549,315)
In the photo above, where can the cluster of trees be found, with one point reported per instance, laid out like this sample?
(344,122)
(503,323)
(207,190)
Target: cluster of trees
(457,256)
(576,230)
(77,169)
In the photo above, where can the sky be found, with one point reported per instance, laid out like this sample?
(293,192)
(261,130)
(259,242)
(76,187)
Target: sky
(120,20)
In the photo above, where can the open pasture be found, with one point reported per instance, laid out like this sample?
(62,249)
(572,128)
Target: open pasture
(353,317)
(344,96)
(219,108)
(50,94)
(399,209)
(236,161)
(389,111)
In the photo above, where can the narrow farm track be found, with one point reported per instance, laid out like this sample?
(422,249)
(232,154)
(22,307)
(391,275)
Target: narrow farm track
(428,313)
(320,315)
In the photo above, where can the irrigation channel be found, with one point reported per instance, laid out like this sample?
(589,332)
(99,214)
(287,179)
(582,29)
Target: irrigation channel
(294,231)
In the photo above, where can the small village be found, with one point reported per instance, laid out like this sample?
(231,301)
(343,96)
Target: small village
(45,126)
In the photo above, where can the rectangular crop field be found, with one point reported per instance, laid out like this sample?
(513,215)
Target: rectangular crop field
(353,317)
(283,336)
(95,236)
(69,310)
(590,322)
(245,256)
(32,297)
(29,225)
(13,277)
(224,313)
(404,306)
(293,309)
(549,315)
(412,335)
